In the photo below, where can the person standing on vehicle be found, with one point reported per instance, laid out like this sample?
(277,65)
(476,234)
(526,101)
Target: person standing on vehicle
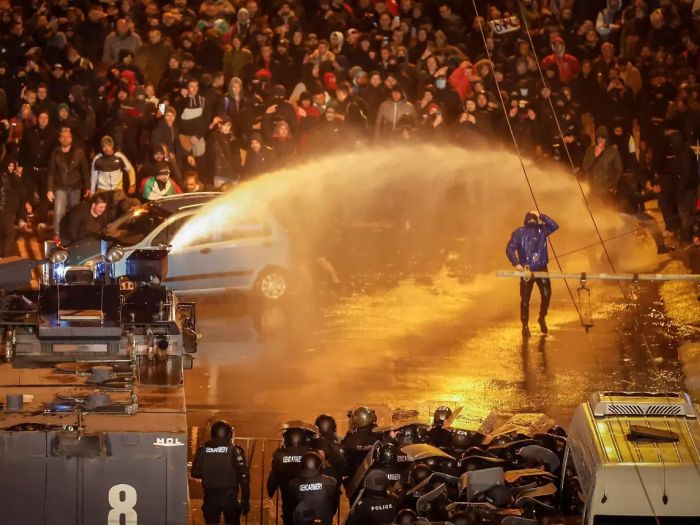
(223,469)
(314,495)
(286,466)
(68,176)
(527,248)
(108,170)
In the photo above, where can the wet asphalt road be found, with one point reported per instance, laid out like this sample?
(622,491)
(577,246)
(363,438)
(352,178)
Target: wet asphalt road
(407,330)
(414,337)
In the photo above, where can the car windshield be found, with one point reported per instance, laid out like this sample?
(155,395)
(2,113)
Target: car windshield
(133,227)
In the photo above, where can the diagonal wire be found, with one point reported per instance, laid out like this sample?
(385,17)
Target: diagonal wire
(625,294)
(520,157)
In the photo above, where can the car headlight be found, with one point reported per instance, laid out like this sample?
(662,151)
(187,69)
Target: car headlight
(58,255)
(114,254)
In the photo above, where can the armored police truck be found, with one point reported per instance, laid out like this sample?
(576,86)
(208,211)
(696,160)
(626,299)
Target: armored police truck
(636,458)
(92,405)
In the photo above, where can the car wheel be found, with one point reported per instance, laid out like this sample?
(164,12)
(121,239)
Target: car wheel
(272,284)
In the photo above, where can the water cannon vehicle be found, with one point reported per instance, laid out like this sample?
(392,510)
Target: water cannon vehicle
(93,424)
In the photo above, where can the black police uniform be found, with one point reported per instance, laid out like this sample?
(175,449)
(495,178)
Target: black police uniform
(286,466)
(222,467)
(439,437)
(394,472)
(374,509)
(356,445)
(335,460)
(314,496)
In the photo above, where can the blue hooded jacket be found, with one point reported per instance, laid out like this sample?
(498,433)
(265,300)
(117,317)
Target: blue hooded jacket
(528,244)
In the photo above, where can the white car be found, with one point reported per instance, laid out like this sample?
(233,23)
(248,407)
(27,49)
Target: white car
(252,254)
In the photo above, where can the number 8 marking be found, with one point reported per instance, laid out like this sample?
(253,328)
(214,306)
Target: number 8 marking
(122,507)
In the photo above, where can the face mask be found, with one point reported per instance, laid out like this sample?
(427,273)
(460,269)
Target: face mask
(441,83)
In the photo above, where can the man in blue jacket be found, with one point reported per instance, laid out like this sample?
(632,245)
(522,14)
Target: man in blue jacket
(527,248)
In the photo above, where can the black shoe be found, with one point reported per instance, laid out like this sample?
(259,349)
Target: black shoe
(526,331)
(543,325)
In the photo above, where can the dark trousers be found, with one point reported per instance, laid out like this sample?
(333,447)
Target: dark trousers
(545,287)
(35,183)
(8,237)
(221,501)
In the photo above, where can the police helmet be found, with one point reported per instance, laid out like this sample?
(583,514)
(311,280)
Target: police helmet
(294,437)
(311,461)
(222,430)
(406,517)
(409,435)
(377,481)
(363,417)
(441,415)
(326,425)
(387,453)
(460,440)
(418,473)
(557,431)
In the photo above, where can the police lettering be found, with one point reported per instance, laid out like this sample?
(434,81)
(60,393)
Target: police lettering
(216,450)
(388,506)
(306,487)
(403,458)
(291,459)
(394,477)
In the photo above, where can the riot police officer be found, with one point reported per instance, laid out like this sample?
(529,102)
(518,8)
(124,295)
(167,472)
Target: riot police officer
(387,462)
(438,435)
(328,443)
(286,465)
(223,469)
(314,495)
(418,473)
(376,506)
(360,438)
(407,435)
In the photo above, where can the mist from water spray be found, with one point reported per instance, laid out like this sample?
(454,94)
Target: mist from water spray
(436,192)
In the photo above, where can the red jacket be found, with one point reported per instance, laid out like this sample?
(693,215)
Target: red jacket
(568,65)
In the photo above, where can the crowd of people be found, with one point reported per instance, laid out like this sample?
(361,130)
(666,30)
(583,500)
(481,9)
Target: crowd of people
(407,473)
(148,98)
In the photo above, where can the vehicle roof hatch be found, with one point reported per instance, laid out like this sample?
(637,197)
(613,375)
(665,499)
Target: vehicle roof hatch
(642,404)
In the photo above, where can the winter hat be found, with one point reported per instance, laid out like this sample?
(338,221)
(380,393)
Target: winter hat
(107,141)
(61,107)
(601,133)
(170,109)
